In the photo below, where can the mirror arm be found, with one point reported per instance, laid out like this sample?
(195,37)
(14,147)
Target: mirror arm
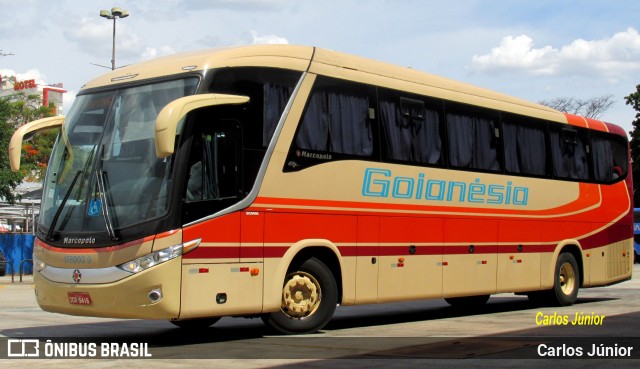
(15,145)
(175,111)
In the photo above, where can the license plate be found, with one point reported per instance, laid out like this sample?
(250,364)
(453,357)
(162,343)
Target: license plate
(79,298)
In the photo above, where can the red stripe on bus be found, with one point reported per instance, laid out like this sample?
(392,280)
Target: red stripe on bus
(214,252)
(226,252)
(576,120)
(597,125)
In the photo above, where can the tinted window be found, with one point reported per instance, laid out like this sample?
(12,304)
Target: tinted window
(214,170)
(525,147)
(269,90)
(336,120)
(411,129)
(472,138)
(569,152)
(610,157)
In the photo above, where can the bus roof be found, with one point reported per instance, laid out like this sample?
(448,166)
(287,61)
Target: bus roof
(281,56)
(328,62)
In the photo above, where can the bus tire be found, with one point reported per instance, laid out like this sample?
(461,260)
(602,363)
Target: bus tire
(566,281)
(195,324)
(468,301)
(309,299)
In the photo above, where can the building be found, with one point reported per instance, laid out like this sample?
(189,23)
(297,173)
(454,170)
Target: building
(51,93)
(21,216)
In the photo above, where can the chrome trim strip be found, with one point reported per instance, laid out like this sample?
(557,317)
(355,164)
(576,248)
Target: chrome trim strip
(263,166)
(88,276)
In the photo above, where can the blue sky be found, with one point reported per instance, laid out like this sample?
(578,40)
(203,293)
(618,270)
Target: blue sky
(530,49)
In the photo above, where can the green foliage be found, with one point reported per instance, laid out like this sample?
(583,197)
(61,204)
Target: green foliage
(25,108)
(35,155)
(634,100)
(16,110)
(8,179)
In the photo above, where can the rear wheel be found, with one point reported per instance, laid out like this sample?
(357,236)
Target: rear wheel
(193,324)
(468,301)
(309,298)
(566,282)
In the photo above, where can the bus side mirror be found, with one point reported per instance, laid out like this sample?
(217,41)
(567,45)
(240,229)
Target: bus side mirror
(171,115)
(27,130)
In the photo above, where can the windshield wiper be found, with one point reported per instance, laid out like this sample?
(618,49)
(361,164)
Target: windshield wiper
(105,204)
(59,211)
(49,236)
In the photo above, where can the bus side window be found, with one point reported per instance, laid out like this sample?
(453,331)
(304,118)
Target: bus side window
(411,130)
(337,122)
(473,138)
(525,147)
(610,160)
(569,152)
(214,164)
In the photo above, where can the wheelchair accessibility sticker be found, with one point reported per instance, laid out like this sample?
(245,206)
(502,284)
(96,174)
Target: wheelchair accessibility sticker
(94,208)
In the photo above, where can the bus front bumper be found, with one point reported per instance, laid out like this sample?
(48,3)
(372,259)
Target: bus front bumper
(150,294)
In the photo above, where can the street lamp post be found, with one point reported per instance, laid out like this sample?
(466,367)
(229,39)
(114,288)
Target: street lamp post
(114,13)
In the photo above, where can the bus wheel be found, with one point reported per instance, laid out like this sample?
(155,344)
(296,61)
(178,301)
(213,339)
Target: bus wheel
(309,298)
(468,301)
(566,281)
(193,324)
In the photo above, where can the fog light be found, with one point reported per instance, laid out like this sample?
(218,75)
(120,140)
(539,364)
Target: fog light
(155,295)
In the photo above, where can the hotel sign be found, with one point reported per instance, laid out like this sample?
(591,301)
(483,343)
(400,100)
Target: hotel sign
(23,85)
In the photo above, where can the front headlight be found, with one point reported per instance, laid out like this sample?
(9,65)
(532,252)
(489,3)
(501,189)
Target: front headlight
(159,257)
(38,264)
(155,258)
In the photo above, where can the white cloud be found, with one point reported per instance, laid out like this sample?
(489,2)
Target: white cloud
(237,5)
(35,74)
(67,100)
(267,39)
(95,37)
(155,52)
(162,10)
(611,58)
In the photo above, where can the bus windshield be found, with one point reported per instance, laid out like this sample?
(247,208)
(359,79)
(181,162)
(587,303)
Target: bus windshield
(103,173)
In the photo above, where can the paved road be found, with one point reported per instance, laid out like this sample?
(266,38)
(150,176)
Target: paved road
(507,332)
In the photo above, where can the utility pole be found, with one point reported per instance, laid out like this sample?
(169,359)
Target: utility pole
(114,14)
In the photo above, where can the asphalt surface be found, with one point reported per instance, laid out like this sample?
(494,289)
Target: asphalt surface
(507,332)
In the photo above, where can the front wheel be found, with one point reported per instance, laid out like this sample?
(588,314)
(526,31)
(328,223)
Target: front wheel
(309,299)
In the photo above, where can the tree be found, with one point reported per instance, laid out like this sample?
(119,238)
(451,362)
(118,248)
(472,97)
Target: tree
(590,108)
(8,179)
(16,110)
(24,108)
(634,100)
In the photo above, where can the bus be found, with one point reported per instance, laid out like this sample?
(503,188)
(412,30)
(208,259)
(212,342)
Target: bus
(636,234)
(280,181)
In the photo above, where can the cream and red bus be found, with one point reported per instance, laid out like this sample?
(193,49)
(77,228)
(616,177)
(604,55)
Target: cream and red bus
(280,181)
